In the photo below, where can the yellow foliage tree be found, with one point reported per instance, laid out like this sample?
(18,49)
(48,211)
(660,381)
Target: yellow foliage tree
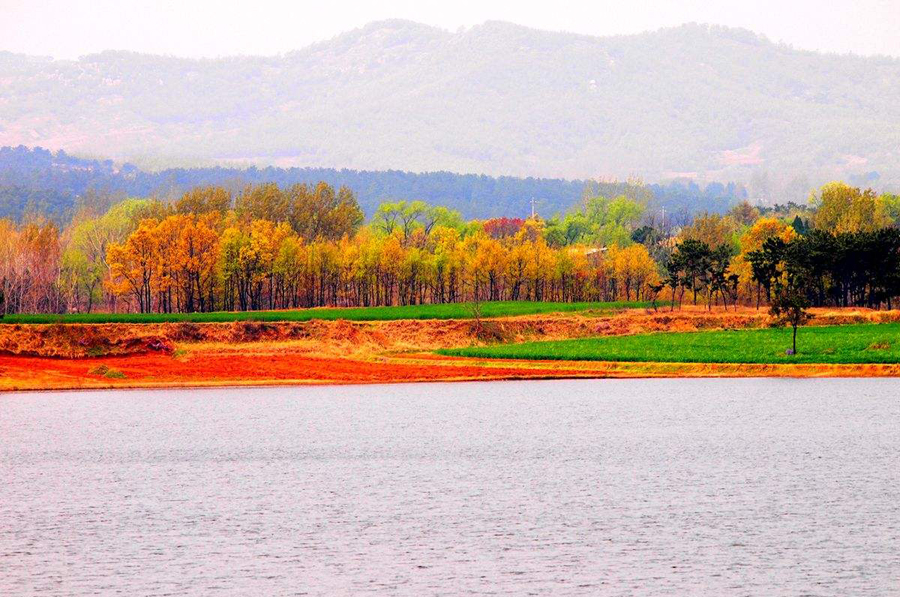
(842,208)
(753,240)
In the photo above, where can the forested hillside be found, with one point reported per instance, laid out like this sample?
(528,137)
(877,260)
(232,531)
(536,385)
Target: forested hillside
(710,103)
(40,182)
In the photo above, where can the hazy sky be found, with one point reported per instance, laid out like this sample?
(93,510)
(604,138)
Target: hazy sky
(70,28)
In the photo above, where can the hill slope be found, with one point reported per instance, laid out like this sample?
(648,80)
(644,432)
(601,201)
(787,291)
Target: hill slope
(710,102)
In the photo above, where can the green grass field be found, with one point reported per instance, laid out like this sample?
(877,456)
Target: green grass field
(446,311)
(864,343)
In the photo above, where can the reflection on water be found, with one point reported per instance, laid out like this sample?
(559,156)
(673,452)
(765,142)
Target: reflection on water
(613,487)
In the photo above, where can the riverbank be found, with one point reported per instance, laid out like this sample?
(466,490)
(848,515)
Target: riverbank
(76,356)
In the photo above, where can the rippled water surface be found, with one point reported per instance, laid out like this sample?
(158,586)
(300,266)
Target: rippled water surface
(613,487)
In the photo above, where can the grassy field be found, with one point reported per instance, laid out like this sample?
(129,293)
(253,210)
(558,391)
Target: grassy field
(447,311)
(864,343)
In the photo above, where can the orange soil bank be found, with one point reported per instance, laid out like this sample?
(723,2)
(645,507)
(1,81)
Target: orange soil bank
(213,370)
(202,369)
(173,355)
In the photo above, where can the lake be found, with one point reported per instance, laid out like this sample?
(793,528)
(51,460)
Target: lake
(585,487)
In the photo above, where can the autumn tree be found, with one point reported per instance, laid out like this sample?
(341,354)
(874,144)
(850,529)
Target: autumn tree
(81,280)
(842,208)
(38,260)
(408,216)
(10,272)
(318,212)
(195,253)
(203,200)
(500,228)
(263,202)
(634,270)
(713,230)
(133,264)
(86,243)
(752,240)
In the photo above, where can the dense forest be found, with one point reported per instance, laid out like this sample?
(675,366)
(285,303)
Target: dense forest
(37,181)
(274,247)
(710,102)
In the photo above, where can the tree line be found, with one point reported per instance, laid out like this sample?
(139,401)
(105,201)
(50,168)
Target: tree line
(37,181)
(278,247)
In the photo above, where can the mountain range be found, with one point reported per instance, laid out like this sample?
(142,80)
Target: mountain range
(697,101)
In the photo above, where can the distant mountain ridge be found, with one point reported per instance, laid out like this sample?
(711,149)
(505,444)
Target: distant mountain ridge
(706,102)
(37,181)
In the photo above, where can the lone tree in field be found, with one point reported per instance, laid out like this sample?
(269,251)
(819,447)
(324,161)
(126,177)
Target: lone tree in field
(790,286)
(789,307)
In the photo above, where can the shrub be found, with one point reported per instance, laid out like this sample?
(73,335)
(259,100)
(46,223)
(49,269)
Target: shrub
(99,370)
(107,372)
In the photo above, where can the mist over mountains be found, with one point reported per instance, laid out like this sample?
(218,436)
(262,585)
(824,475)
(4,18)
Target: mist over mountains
(709,103)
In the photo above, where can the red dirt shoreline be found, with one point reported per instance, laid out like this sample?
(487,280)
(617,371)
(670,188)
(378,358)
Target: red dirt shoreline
(163,371)
(341,352)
